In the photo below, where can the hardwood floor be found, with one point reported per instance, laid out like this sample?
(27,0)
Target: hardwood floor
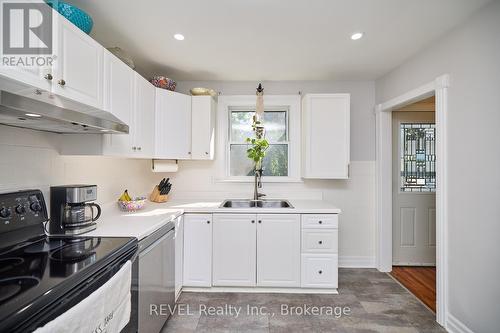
(421,281)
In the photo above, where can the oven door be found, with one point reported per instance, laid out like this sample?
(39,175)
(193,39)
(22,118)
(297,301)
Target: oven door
(156,283)
(105,310)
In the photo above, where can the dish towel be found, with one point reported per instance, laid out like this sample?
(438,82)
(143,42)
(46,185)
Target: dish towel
(105,310)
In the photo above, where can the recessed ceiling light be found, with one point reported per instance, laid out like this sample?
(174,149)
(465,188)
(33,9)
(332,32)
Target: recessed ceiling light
(34,115)
(356,35)
(179,37)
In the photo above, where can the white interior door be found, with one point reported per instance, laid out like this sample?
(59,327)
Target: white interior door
(414,199)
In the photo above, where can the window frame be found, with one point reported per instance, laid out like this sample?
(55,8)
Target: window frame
(288,103)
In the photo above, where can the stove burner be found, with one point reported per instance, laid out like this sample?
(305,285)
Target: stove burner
(13,286)
(76,250)
(6,264)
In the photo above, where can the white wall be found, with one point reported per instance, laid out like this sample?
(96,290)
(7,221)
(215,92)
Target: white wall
(30,159)
(471,55)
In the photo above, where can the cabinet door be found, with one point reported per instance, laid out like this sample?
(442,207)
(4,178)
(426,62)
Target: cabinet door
(78,68)
(234,246)
(326,136)
(278,250)
(16,79)
(197,250)
(118,88)
(119,101)
(173,125)
(179,244)
(203,127)
(144,115)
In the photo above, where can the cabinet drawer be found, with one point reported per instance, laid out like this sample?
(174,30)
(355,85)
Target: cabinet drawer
(320,221)
(319,241)
(319,271)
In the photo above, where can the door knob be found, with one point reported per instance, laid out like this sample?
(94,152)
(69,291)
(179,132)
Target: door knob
(208,222)
(61,82)
(253,221)
(320,272)
(48,77)
(320,242)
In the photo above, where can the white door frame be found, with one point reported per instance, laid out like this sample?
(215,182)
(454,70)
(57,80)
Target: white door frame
(439,88)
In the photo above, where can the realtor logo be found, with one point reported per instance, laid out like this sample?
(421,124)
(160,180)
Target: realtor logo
(27,28)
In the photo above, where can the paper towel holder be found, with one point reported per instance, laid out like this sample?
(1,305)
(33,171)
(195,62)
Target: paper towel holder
(175,165)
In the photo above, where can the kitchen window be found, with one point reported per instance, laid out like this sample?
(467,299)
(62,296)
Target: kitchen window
(281,121)
(276,132)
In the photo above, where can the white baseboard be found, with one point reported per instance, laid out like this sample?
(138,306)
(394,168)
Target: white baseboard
(357,262)
(453,325)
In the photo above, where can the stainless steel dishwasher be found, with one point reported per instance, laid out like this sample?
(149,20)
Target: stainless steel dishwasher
(156,279)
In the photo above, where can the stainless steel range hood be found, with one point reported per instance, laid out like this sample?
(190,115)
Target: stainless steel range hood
(15,110)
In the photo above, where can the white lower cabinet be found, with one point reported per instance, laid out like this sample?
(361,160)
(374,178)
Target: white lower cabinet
(319,267)
(234,250)
(260,250)
(319,271)
(179,249)
(278,250)
(197,250)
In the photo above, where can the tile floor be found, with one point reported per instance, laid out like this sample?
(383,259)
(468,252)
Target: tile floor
(371,302)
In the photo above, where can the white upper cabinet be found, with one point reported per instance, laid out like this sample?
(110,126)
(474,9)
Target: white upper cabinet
(78,68)
(234,250)
(172,125)
(203,127)
(278,250)
(326,137)
(144,117)
(118,88)
(137,97)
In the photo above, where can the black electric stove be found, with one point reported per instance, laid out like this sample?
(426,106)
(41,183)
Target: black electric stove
(41,277)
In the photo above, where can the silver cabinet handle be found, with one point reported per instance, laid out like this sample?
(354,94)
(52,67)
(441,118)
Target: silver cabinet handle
(61,82)
(48,77)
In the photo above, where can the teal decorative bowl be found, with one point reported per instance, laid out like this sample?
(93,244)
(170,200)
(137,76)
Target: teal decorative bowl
(74,14)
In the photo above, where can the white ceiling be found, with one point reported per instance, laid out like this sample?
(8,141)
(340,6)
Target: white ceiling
(272,39)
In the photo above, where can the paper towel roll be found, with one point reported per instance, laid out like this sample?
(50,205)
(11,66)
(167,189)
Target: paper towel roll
(164,166)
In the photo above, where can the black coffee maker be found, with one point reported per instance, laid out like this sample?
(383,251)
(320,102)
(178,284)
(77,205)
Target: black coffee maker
(71,209)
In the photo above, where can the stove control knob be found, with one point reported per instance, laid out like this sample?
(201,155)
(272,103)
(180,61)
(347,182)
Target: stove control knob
(35,206)
(20,209)
(4,212)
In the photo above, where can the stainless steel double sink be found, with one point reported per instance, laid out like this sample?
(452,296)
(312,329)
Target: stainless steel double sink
(245,203)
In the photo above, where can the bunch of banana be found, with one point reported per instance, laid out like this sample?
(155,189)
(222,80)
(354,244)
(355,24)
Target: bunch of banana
(125,196)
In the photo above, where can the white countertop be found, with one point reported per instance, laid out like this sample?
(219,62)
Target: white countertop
(140,224)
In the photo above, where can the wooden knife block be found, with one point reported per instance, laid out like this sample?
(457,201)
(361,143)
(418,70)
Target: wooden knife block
(157,197)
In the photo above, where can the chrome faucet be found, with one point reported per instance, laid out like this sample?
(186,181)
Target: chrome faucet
(257,185)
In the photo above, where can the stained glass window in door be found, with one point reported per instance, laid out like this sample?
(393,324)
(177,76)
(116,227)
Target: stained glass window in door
(418,157)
